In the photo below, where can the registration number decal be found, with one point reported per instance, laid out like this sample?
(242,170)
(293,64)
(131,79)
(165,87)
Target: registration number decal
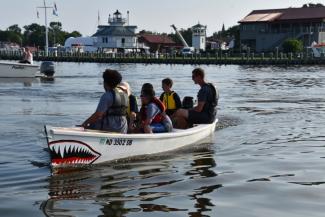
(116,141)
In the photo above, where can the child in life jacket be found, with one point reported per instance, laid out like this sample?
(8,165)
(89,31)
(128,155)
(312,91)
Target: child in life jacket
(153,116)
(169,97)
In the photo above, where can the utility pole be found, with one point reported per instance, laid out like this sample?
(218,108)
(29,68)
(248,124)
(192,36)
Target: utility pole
(46,27)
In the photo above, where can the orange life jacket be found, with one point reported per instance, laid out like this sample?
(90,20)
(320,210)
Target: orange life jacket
(159,117)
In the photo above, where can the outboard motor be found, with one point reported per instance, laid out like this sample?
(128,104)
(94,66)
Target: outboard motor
(47,68)
(188,102)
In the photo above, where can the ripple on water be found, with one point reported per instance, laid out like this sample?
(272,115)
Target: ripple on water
(267,157)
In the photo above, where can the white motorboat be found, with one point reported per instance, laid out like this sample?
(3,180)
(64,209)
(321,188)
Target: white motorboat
(75,146)
(17,70)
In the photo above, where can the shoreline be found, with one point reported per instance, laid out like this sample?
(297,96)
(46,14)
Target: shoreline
(183,60)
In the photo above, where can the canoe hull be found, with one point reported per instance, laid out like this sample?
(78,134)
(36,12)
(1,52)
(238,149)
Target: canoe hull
(73,146)
(17,70)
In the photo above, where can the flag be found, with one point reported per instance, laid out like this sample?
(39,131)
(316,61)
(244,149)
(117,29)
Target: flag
(37,14)
(98,18)
(55,13)
(55,10)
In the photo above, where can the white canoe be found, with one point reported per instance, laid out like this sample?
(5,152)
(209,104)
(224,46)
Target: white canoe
(74,146)
(17,70)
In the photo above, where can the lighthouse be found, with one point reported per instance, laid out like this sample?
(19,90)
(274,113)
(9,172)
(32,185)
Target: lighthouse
(199,37)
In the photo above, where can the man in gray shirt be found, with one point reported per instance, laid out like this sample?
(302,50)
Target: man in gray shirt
(111,111)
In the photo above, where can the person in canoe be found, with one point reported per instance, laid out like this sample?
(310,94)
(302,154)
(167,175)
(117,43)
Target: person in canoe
(111,111)
(169,97)
(132,107)
(206,109)
(152,113)
(27,56)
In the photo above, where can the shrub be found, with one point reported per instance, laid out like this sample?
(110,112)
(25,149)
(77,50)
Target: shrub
(292,45)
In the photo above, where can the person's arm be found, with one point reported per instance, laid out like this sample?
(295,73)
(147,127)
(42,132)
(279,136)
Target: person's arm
(93,119)
(133,104)
(177,101)
(152,111)
(199,106)
(104,103)
(201,98)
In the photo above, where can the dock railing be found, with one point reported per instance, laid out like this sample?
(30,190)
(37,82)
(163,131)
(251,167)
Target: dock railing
(244,58)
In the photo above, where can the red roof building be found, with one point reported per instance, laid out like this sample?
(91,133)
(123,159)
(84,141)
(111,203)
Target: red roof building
(160,43)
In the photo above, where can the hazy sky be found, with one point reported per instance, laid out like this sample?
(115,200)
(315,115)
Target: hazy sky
(151,15)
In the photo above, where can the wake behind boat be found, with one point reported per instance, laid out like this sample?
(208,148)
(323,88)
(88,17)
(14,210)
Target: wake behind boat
(77,146)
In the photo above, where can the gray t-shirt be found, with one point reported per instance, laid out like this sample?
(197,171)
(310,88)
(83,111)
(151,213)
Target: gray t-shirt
(110,123)
(153,110)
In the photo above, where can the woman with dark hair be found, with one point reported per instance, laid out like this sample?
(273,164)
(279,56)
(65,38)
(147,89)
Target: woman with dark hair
(111,111)
(153,113)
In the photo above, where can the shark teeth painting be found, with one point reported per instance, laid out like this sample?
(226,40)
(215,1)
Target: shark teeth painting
(72,152)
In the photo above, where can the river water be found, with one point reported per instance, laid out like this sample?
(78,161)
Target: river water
(267,157)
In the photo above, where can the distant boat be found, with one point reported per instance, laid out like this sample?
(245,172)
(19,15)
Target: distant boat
(17,70)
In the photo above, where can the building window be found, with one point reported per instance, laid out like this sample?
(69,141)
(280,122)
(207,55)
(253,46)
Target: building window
(123,40)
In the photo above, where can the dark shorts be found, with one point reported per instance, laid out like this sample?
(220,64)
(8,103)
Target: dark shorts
(195,117)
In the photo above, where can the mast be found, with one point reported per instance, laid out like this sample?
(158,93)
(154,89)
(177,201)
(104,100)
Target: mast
(180,36)
(46,28)
(46,32)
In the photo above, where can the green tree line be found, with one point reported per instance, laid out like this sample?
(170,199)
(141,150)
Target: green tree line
(34,34)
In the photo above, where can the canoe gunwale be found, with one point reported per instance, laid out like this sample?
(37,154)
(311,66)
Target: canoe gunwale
(178,133)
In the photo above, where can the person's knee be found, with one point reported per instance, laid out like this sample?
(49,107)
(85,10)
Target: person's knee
(181,113)
(180,123)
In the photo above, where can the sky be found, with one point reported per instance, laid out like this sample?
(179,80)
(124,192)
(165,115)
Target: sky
(152,15)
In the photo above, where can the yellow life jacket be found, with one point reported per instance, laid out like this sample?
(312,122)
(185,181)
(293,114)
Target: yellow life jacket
(169,101)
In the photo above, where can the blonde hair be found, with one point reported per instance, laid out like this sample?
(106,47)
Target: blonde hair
(125,86)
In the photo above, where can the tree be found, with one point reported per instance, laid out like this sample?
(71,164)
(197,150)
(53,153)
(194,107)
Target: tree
(56,36)
(223,28)
(187,35)
(74,34)
(56,26)
(9,36)
(312,5)
(34,35)
(143,32)
(292,46)
(14,28)
(231,33)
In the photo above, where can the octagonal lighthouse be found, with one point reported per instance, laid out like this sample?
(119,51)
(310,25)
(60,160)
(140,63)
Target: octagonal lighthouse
(118,35)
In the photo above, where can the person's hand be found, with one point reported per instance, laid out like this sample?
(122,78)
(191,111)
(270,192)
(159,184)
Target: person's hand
(84,125)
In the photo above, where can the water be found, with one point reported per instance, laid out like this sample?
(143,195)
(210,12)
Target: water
(267,157)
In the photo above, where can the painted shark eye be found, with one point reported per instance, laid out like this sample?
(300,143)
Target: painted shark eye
(72,152)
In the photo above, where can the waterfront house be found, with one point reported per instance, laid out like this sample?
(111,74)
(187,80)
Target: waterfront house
(266,30)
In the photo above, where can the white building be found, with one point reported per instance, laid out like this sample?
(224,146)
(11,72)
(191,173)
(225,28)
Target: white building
(80,44)
(199,37)
(116,35)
